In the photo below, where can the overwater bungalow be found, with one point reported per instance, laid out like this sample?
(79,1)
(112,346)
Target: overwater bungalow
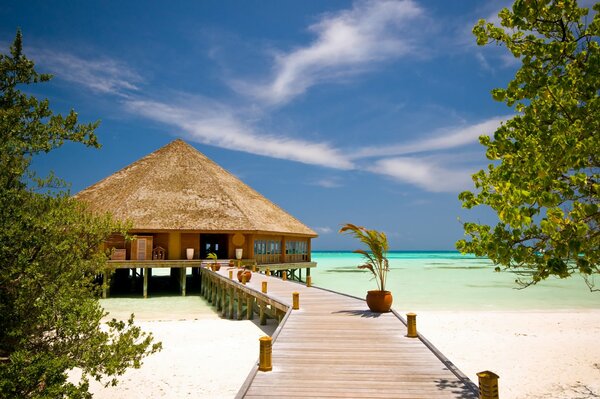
(183,206)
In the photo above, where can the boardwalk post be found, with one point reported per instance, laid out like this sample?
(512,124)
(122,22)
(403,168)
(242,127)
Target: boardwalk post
(308,281)
(284,275)
(411,324)
(250,307)
(295,300)
(240,303)
(266,350)
(231,300)
(268,272)
(264,287)
(488,385)
(243,278)
(254,268)
(262,314)
(223,296)
(231,274)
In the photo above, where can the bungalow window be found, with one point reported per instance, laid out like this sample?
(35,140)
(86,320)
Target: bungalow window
(296,251)
(267,251)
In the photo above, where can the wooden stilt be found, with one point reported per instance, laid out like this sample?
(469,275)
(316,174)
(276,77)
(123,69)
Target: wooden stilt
(250,307)
(145,271)
(232,294)
(262,314)
(105,284)
(214,291)
(182,279)
(220,295)
(240,302)
(226,297)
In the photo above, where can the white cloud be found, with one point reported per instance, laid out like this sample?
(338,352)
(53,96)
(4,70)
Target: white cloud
(346,42)
(328,183)
(442,140)
(215,124)
(424,173)
(323,230)
(102,75)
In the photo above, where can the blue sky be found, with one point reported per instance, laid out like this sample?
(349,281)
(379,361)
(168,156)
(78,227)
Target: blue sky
(338,111)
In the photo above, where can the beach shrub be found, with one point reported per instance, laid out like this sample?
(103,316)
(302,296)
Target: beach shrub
(544,178)
(376,257)
(51,320)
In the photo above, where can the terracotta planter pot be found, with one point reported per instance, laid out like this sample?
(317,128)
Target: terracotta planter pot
(241,273)
(215,268)
(379,301)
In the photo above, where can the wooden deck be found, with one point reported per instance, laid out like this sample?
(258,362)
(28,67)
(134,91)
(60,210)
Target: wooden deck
(333,347)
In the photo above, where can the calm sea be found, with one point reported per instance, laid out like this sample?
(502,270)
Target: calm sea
(450,281)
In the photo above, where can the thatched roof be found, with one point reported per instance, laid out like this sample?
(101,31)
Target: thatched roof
(179,188)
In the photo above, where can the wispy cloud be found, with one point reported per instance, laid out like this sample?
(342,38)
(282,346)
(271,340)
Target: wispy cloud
(425,173)
(328,183)
(212,123)
(442,139)
(323,230)
(103,75)
(346,42)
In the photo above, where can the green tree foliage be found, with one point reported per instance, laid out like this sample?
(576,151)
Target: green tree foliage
(50,319)
(544,181)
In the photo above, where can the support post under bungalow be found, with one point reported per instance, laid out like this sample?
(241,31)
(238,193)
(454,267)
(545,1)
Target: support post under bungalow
(145,271)
(106,283)
(183,278)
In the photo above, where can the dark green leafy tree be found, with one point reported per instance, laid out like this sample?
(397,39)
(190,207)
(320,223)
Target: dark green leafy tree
(50,318)
(544,179)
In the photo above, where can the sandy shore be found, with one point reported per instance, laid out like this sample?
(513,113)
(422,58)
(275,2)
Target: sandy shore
(203,355)
(538,354)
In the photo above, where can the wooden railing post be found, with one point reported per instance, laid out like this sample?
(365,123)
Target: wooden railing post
(488,385)
(411,325)
(265,362)
(295,300)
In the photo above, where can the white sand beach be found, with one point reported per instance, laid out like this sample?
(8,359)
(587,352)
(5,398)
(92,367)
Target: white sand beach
(203,355)
(543,354)
(537,354)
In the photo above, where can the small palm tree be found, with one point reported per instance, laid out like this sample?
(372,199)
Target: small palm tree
(376,257)
(212,256)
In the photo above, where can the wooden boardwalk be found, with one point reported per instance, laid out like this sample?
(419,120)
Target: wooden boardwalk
(334,347)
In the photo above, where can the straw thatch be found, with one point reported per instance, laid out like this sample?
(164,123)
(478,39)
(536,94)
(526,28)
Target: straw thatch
(178,188)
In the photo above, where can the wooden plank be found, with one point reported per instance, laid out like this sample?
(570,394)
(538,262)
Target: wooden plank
(333,347)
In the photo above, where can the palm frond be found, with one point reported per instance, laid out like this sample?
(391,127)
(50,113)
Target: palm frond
(376,256)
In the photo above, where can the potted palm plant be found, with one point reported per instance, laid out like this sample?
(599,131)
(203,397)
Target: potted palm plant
(376,262)
(216,266)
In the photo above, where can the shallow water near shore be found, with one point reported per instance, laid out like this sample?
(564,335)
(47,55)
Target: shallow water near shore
(450,281)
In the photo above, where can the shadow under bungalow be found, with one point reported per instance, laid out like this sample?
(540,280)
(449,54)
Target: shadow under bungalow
(183,206)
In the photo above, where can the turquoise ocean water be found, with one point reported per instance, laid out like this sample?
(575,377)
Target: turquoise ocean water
(450,281)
